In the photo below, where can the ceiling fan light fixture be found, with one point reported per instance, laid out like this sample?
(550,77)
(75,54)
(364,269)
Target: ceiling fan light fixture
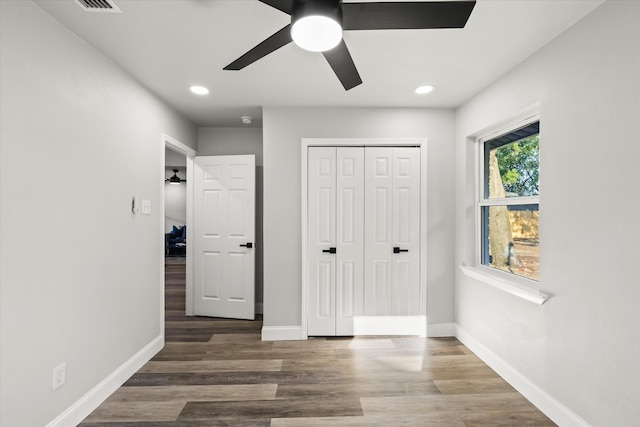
(175,179)
(316,33)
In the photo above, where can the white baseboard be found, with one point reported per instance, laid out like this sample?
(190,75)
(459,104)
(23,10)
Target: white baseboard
(77,412)
(362,325)
(549,405)
(437,330)
(282,333)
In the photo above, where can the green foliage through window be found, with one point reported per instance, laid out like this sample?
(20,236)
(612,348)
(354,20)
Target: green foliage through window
(519,166)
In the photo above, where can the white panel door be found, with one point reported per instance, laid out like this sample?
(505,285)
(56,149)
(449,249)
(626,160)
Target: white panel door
(405,290)
(392,231)
(378,227)
(224,231)
(321,237)
(349,237)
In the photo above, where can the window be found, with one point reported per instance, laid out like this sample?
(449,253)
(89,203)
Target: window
(509,206)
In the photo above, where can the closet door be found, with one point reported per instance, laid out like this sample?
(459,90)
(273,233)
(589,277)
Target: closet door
(349,237)
(392,231)
(335,239)
(321,237)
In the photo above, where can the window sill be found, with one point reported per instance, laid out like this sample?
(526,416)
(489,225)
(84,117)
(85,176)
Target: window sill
(504,285)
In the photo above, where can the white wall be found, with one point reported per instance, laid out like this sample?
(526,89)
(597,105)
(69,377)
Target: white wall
(237,141)
(283,129)
(175,200)
(581,347)
(173,158)
(81,276)
(230,141)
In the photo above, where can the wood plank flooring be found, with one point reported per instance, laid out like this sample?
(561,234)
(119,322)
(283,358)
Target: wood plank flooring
(217,372)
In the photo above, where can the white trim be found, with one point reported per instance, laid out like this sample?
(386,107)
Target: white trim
(549,405)
(189,292)
(282,333)
(509,201)
(519,119)
(363,142)
(79,410)
(175,145)
(512,288)
(438,330)
(304,152)
(390,325)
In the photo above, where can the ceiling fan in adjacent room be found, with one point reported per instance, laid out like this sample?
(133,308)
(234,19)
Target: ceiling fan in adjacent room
(175,179)
(317,25)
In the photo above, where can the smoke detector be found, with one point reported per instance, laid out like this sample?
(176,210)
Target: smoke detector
(99,6)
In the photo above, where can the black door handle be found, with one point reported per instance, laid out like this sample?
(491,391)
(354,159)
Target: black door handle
(397,250)
(248,245)
(330,250)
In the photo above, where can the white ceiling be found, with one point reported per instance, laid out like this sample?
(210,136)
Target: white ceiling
(169,45)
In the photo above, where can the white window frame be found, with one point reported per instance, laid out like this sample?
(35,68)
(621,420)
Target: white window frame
(522,287)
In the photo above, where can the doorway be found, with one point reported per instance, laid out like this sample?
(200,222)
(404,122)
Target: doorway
(177,155)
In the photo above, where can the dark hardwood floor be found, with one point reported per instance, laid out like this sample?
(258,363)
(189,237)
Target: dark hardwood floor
(217,372)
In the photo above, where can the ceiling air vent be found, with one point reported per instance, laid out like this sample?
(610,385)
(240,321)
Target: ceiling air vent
(99,6)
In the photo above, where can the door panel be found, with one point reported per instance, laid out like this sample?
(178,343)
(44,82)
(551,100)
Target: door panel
(211,272)
(378,230)
(406,231)
(321,236)
(224,218)
(350,237)
(392,195)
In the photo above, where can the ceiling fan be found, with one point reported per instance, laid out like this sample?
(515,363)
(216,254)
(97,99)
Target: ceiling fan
(317,25)
(175,179)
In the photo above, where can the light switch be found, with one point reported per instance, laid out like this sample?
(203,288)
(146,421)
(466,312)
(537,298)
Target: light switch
(146,207)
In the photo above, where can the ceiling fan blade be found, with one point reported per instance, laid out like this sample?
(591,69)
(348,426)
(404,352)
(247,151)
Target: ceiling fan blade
(342,64)
(406,15)
(283,5)
(271,44)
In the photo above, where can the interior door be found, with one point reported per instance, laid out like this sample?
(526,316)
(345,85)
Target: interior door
(392,231)
(223,233)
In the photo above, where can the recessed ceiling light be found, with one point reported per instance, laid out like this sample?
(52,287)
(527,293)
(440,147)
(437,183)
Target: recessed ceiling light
(246,119)
(423,90)
(199,90)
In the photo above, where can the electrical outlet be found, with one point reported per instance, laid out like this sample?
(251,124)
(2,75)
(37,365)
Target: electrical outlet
(59,375)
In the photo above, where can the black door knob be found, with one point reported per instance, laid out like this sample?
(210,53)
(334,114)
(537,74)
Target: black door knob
(397,250)
(330,250)
(248,245)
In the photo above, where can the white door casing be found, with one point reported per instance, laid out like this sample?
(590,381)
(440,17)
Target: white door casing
(224,236)
(177,146)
